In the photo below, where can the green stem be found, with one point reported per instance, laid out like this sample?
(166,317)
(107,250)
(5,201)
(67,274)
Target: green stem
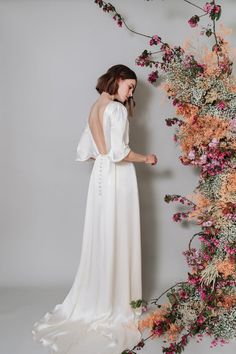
(216,40)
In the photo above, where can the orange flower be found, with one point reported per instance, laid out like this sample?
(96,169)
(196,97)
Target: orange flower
(157,315)
(173,332)
(169,89)
(232,143)
(226,267)
(187,110)
(228,188)
(228,301)
(210,59)
(202,132)
(233,85)
(202,205)
(224,207)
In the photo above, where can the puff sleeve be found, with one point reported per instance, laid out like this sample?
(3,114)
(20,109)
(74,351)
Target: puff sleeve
(85,147)
(119,133)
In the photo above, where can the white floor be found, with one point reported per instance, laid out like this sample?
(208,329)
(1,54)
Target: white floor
(20,308)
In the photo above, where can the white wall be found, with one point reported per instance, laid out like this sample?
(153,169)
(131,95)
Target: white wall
(52,53)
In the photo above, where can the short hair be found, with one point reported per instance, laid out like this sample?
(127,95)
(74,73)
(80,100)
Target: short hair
(108,82)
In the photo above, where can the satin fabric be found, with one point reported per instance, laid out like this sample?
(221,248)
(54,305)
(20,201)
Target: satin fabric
(96,316)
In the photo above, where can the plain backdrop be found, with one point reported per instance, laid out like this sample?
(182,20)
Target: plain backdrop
(51,54)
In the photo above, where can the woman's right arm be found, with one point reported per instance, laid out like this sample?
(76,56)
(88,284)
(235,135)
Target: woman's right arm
(135,157)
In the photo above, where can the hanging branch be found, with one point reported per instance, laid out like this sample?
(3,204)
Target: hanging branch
(155,301)
(191,3)
(192,238)
(210,9)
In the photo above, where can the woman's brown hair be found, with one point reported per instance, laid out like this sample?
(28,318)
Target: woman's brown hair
(108,82)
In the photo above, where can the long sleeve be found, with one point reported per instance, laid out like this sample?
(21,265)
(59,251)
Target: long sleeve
(86,148)
(119,138)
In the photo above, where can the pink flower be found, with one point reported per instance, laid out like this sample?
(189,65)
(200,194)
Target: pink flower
(208,7)
(221,105)
(229,250)
(216,9)
(203,297)
(216,48)
(183,294)
(155,40)
(153,76)
(184,340)
(215,342)
(203,159)
(144,308)
(143,59)
(201,319)
(176,217)
(179,105)
(175,101)
(193,281)
(193,21)
(118,21)
(206,257)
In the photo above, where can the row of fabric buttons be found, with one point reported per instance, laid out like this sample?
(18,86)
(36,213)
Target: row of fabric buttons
(100,178)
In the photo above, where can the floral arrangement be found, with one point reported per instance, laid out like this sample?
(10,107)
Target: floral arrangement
(203,92)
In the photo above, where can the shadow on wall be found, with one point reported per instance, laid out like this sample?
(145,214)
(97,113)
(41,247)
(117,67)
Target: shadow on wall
(148,192)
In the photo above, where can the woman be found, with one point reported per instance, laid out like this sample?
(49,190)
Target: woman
(96,316)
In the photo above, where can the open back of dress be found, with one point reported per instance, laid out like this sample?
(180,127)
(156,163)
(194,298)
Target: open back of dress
(95,123)
(108,277)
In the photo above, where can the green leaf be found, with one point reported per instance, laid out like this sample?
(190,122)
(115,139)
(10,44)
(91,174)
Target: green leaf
(208,32)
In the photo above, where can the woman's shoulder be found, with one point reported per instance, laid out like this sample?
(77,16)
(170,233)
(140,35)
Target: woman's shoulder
(117,107)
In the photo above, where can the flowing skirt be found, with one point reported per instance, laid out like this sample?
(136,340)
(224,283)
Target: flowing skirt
(96,316)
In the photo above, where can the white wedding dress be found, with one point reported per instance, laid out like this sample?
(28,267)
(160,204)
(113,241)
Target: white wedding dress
(96,317)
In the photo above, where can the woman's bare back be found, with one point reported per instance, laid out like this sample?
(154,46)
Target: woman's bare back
(95,121)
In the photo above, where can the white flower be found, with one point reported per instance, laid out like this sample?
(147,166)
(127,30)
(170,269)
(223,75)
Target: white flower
(233,124)
(191,155)
(214,143)
(207,223)
(203,158)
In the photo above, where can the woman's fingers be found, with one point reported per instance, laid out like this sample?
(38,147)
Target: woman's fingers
(155,159)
